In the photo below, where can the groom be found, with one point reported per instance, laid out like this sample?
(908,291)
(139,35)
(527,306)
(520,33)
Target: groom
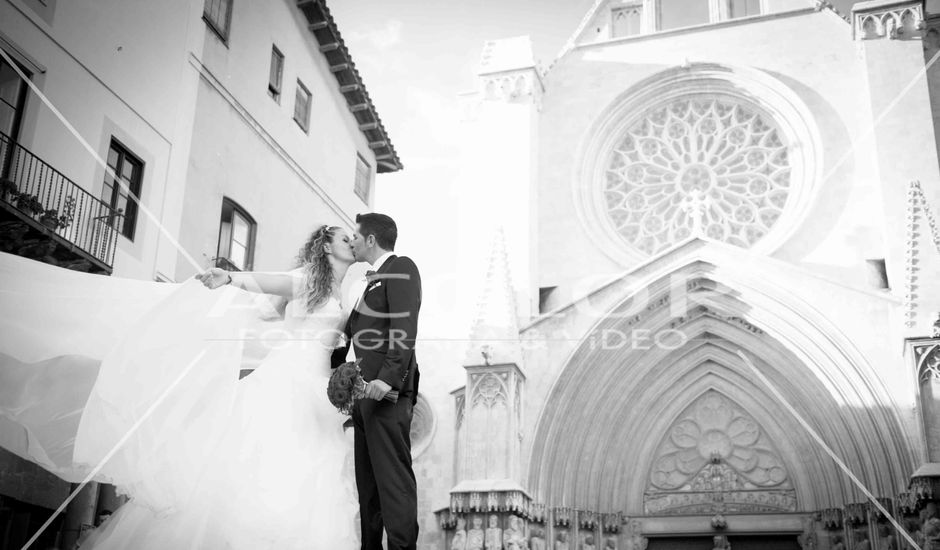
(382,329)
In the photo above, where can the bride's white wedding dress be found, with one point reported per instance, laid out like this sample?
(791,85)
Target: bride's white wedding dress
(139,381)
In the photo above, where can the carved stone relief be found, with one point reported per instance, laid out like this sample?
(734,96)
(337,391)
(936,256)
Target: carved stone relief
(716,458)
(927,359)
(895,22)
(489,389)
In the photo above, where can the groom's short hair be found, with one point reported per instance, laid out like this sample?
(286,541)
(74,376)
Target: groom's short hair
(379,225)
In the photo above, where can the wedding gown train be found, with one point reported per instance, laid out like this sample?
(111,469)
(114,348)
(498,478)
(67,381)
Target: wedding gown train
(136,384)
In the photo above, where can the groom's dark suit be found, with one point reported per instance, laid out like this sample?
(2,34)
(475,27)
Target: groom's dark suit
(382,329)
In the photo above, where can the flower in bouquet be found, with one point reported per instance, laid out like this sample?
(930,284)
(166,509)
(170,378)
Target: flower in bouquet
(346,386)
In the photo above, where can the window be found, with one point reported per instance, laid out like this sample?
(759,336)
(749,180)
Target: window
(302,106)
(128,170)
(236,237)
(736,193)
(546,298)
(12,99)
(363,178)
(743,8)
(878,273)
(218,14)
(276,74)
(675,14)
(626,21)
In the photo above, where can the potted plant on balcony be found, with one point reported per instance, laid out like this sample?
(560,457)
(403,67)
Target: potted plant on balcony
(8,190)
(51,218)
(68,213)
(30,204)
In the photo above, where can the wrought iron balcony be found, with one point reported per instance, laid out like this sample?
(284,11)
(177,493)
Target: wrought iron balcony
(38,194)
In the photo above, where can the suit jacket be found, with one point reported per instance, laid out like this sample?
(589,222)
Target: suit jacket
(384,326)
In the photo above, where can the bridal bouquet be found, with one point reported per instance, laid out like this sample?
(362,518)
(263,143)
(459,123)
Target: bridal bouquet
(346,386)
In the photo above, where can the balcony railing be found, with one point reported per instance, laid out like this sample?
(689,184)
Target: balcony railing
(34,189)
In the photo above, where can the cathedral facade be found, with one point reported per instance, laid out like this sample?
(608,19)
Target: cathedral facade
(709,318)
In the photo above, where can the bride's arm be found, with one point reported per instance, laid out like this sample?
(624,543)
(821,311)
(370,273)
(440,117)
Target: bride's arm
(286,284)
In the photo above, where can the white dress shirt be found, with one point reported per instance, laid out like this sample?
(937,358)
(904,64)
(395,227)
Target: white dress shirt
(380,261)
(360,290)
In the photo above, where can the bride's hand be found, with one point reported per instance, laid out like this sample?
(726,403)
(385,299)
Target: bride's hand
(214,277)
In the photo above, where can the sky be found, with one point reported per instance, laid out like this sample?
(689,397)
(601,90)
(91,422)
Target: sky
(415,57)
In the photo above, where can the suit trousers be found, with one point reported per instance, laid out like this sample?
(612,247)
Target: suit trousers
(388,496)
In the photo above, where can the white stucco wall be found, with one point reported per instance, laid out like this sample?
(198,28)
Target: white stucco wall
(246,146)
(138,73)
(111,69)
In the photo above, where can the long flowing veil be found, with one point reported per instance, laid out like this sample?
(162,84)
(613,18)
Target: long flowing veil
(119,374)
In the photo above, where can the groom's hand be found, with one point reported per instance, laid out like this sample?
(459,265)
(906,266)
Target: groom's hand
(377,389)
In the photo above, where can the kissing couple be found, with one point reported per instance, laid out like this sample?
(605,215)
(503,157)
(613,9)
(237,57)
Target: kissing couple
(217,462)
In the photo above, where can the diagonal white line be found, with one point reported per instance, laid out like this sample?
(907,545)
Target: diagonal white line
(116,448)
(196,265)
(91,150)
(884,113)
(828,450)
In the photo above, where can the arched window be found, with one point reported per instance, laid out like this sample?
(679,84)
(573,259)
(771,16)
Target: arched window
(702,151)
(236,237)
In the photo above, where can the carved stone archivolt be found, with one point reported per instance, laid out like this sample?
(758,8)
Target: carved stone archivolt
(700,311)
(716,458)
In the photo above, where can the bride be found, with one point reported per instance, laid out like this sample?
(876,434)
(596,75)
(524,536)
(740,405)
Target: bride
(136,384)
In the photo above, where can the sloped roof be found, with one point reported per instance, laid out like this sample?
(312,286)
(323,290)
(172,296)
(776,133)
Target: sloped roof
(323,27)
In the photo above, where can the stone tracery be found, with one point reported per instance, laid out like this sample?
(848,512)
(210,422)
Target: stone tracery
(705,164)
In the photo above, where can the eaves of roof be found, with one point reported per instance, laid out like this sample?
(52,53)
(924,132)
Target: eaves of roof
(323,28)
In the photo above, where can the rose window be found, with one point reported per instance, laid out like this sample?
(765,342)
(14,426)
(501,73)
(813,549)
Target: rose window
(708,165)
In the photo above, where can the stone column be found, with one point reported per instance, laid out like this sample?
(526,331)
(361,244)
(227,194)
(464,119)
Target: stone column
(80,514)
(924,353)
(492,420)
(108,499)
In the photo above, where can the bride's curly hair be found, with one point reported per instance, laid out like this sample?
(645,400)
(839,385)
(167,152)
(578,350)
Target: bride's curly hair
(318,273)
